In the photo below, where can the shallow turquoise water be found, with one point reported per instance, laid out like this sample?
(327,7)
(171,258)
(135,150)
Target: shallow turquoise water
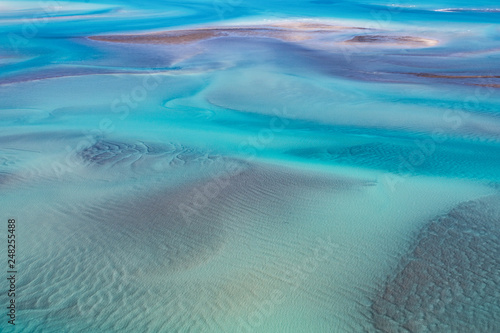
(277,177)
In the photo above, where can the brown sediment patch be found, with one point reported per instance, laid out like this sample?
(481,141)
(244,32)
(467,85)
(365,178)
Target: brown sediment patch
(383,39)
(286,31)
(471,79)
(450,279)
(488,85)
(196,35)
(446,76)
(172,37)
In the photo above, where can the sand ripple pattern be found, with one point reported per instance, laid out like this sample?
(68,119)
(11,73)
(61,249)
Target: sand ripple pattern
(450,281)
(112,153)
(481,162)
(132,263)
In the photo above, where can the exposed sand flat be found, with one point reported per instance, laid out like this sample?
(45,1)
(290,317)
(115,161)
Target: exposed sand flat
(174,37)
(449,282)
(290,31)
(190,36)
(390,40)
(488,85)
(445,76)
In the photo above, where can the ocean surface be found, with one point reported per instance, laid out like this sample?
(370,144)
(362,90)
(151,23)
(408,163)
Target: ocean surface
(250,166)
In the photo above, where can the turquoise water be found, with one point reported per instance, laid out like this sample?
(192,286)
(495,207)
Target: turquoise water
(237,166)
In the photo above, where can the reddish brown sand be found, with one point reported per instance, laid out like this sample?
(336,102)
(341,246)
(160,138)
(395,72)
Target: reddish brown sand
(381,39)
(462,77)
(195,35)
(172,37)
(440,76)
(488,85)
(289,31)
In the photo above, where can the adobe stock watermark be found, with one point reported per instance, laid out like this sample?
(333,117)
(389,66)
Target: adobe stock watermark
(31,25)
(453,119)
(381,20)
(138,94)
(201,196)
(224,6)
(294,277)
(121,107)
(384,17)
(257,310)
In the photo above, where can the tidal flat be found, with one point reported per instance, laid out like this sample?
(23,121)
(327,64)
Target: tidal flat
(227,166)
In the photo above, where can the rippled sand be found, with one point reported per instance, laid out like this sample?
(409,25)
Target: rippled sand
(448,281)
(245,250)
(251,167)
